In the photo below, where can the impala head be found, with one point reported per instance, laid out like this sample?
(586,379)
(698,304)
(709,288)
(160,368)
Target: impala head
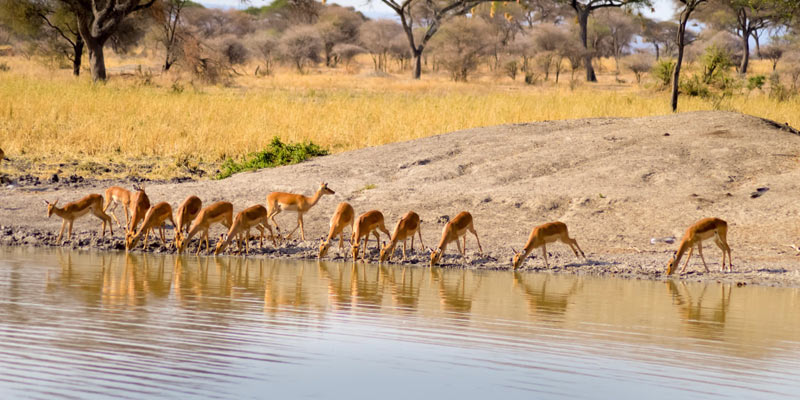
(354,249)
(323,187)
(436,255)
(518,259)
(386,254)
(50,207)
(130,240)
(323,248)
(672,264)
(181,245)
(178,237)
(221,244)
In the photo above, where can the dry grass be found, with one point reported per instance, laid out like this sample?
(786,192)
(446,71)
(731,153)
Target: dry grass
(51,120)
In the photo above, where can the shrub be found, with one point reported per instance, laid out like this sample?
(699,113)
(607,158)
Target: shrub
(756,82)
(695,87)
(638,64)
(4,67)
(715,61)
(276,154)
(777,91)
(662,72)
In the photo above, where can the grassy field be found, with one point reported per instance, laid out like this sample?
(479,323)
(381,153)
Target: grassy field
(162,129)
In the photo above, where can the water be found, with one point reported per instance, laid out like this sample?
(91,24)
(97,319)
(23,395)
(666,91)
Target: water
(92,325)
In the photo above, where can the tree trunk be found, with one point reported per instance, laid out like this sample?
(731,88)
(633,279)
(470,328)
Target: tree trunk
(745,53)
(78,55)
(676,74)
(758,45)
(583,21)
(97,61)
(417,63)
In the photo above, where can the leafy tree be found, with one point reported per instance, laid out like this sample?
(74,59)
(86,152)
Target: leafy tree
(337,25)
(460,45)
(746,18)
(41,18)
(583,9)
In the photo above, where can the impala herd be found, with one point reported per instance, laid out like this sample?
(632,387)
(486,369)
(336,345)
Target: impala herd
(192,219)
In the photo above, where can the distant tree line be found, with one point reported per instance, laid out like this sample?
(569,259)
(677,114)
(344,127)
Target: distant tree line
(537,40)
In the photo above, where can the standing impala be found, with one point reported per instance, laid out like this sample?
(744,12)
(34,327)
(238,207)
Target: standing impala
(155,218)
(71,211)
(454,230)
(140,203)
(186,214)
(344,216)
(369,222)
(219,212)
(704,229)
(540,236)
(408,225)
(118,195)
(251,217)
(279,201)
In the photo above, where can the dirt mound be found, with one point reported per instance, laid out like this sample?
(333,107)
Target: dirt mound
(616,182)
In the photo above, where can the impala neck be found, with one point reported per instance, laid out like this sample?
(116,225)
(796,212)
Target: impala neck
(313,200)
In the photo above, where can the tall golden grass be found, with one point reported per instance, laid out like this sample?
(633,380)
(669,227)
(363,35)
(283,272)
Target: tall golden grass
(57,118)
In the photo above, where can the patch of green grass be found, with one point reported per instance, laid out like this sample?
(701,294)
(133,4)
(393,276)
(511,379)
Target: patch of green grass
(276,154)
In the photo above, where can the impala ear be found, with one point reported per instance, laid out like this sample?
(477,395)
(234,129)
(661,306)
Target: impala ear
(512,249)
(46,202)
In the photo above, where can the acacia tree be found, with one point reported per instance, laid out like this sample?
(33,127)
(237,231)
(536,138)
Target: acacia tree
(583,9)
(685,13)
(33,17)
(97,20)
(428,15)
(167,14)
(746,18)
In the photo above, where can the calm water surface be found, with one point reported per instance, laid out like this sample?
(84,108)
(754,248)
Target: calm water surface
(90,325)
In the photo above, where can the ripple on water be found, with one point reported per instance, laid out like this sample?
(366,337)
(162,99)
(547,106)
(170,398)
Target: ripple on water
(84,325)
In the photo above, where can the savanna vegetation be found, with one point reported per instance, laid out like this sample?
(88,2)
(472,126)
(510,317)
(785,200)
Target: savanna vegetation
(173,89)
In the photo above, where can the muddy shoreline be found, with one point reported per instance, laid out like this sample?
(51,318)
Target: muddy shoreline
(643,265)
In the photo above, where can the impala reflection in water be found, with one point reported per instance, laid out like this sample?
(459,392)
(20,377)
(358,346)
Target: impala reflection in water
(82,324)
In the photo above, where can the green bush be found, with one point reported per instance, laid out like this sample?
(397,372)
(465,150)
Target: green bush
(277,154)
(694,87)
(662,72)
(716,61)
(756,82)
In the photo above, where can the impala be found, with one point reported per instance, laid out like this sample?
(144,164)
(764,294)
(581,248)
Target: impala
(71,211)
(454,230)
(187,212)
(139,203)
(279,201)
(116,195)
(219,212)
(408,225)
(704,229)
(540,236)
(369,222)
(344,216)
(251,217)
(156,216)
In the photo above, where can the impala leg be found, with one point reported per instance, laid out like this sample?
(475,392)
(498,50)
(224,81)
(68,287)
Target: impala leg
(341,240)
(163,239)
(146,237)
(460,250)
(480,249)
(364,248)
(689,257)
(404,247)
(61,232)
(70,230)
(544,254)
(377,240)
(700,251)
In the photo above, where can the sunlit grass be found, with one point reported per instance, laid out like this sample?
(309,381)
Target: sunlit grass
(51,119)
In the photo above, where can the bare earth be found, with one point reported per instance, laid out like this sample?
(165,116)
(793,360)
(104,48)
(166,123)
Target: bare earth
(616,183)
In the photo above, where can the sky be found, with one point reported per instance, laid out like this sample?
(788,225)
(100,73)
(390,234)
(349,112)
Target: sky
(376,9)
